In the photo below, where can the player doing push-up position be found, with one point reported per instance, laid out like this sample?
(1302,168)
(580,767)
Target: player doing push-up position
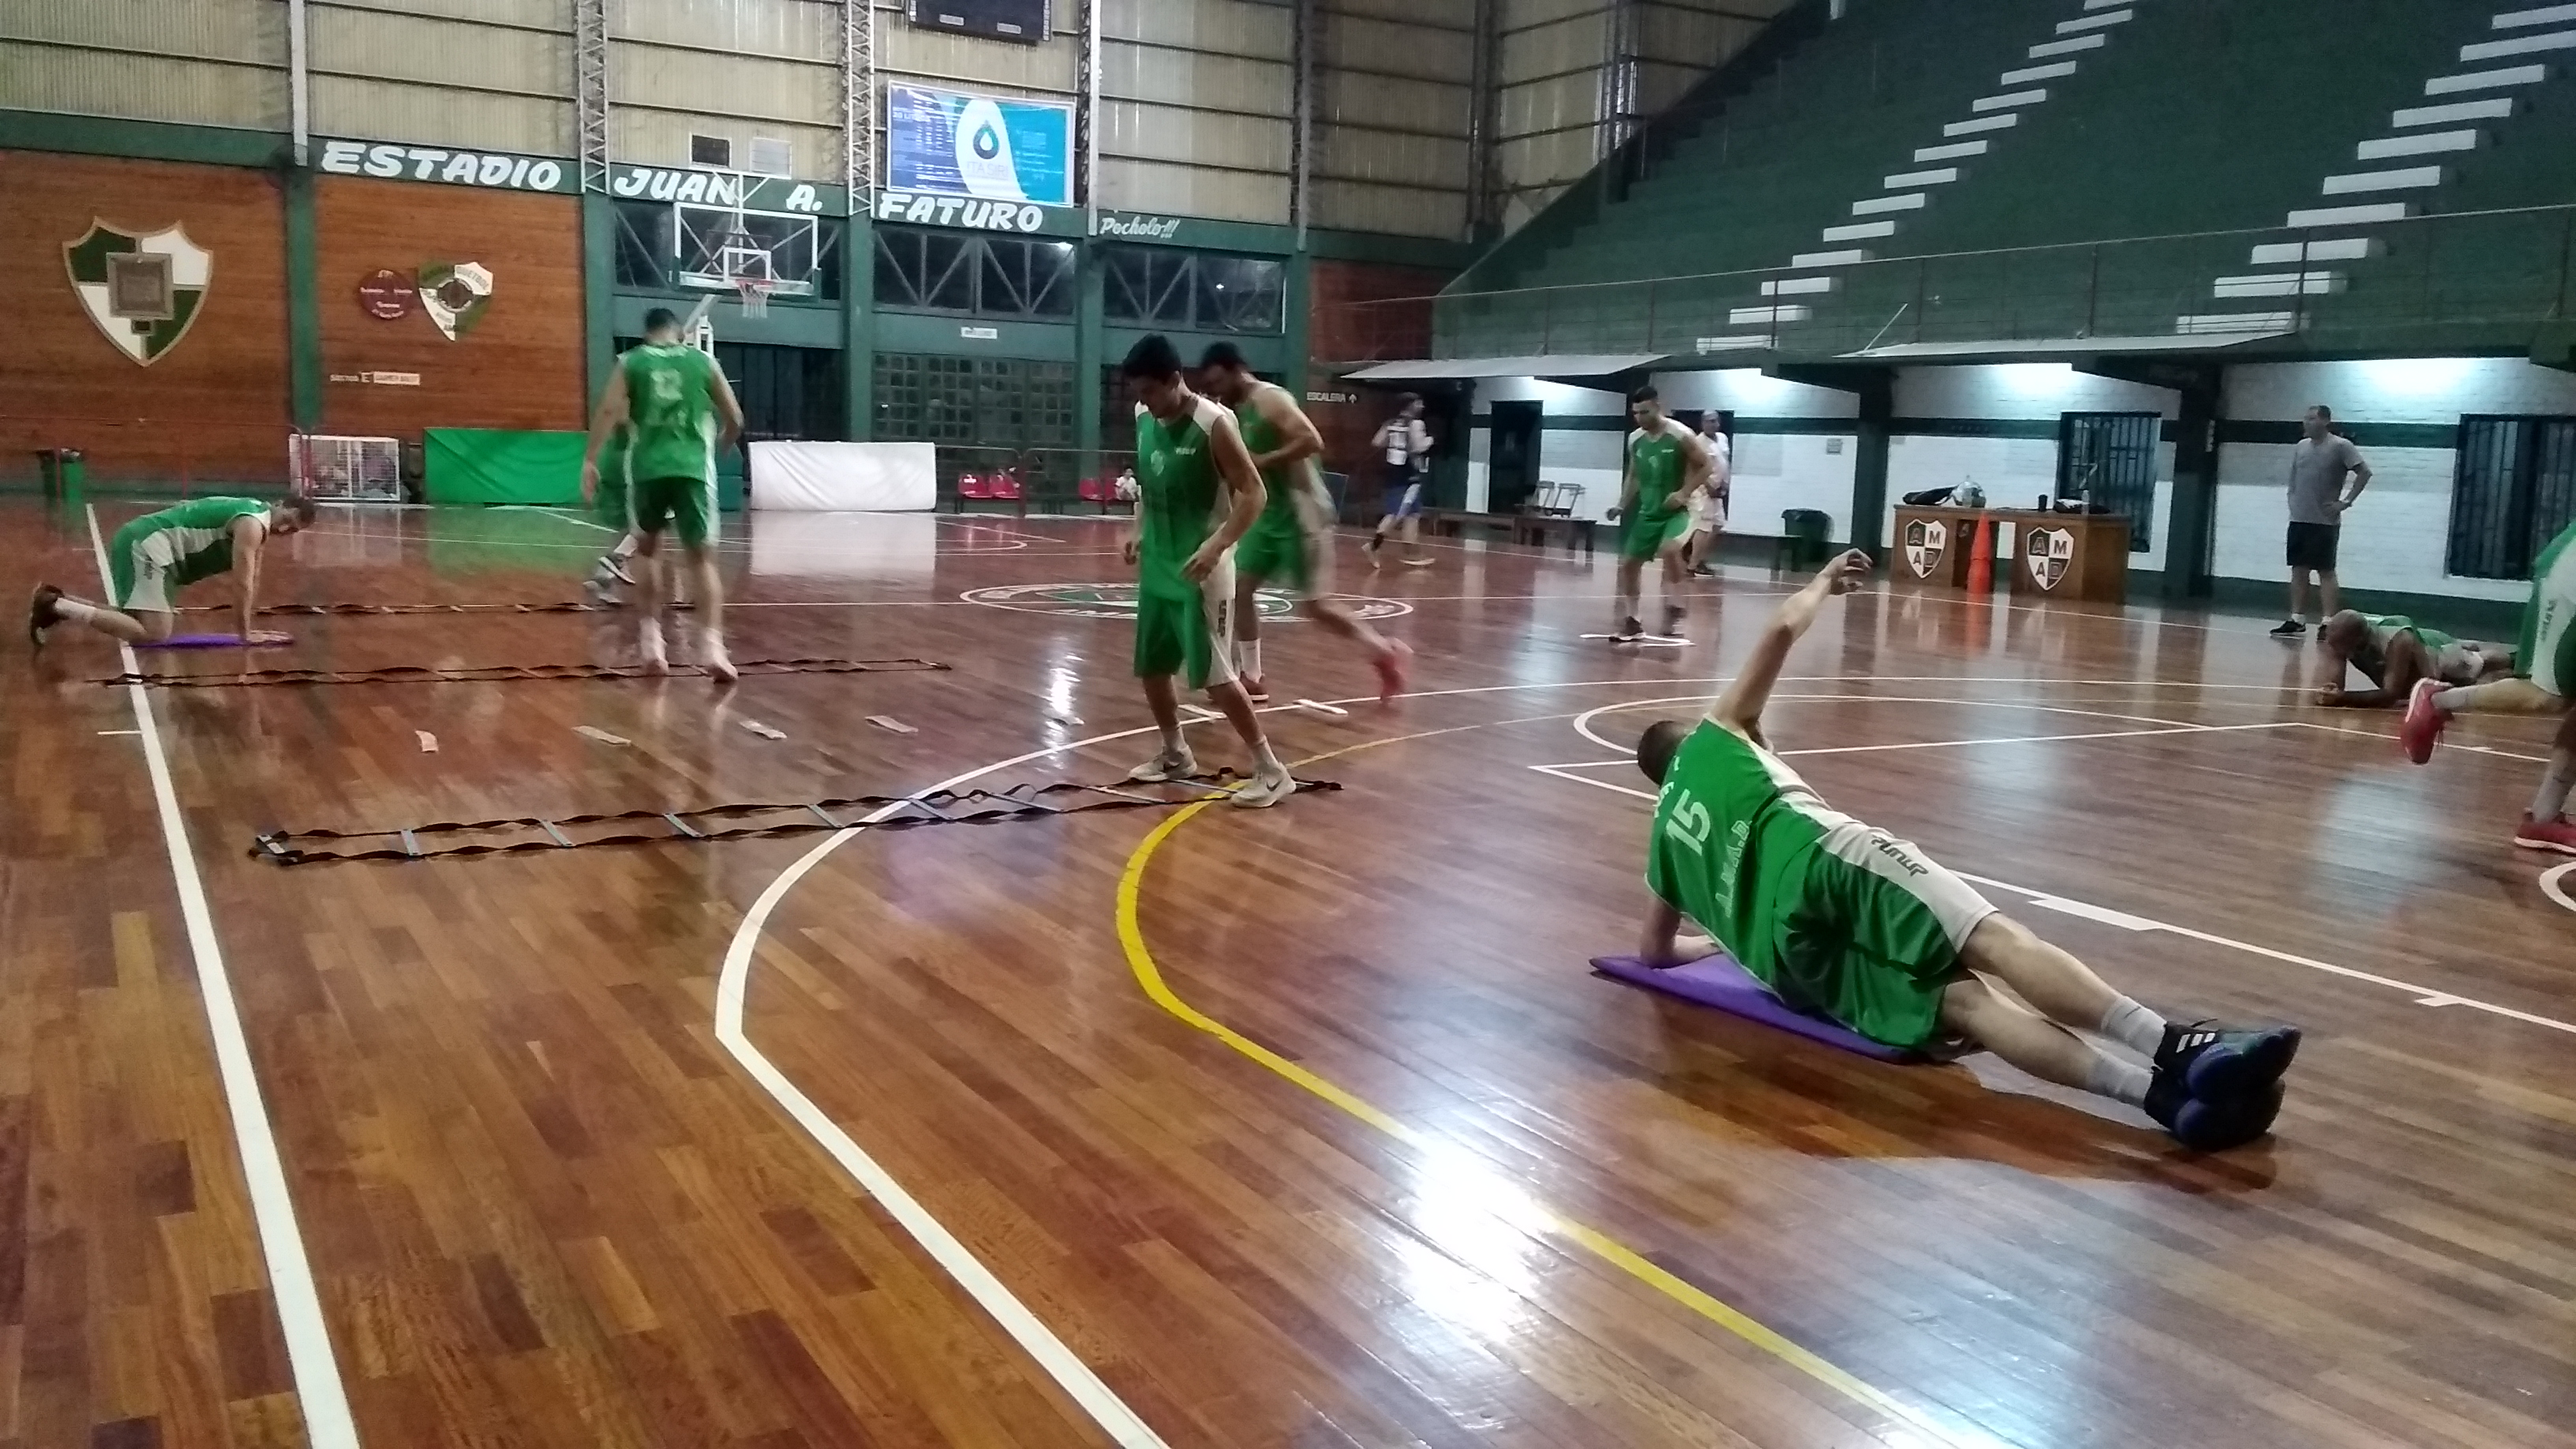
(153,557)
(1293,540)
(1847,921)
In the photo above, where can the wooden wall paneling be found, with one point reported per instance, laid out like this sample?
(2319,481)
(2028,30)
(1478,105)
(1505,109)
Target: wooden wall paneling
(213,407)
(519,366)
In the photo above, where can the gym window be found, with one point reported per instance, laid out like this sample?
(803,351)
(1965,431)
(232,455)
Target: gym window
(2113,455)
(1187,291)
(2514,491)
(919,270)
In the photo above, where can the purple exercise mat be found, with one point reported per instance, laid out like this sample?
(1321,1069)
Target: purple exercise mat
(202,641)
(1717,981)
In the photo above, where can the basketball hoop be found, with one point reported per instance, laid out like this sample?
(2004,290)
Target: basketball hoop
(754,292)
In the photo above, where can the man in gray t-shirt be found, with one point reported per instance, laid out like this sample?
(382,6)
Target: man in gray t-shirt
(2326,474)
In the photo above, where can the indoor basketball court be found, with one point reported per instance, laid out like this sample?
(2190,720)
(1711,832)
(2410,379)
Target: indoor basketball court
(1177,1124)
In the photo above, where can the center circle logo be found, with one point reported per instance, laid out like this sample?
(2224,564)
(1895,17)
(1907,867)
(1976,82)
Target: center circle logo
(1118,601)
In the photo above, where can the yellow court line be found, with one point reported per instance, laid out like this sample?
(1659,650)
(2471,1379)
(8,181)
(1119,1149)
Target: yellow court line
(1149,975)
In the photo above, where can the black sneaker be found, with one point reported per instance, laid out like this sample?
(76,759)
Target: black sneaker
(2206,1125)
(2212,1061)
(2289,629)
(41,613)
(1630,631)
(1673,623)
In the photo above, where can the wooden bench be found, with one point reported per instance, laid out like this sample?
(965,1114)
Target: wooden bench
(1536,529)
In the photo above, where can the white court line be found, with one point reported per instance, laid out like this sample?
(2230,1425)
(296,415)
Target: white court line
(1583,722)
(2392,739)
(2424,995)
(318,1388)
(2550,883)
(953,1256)
(1958,744)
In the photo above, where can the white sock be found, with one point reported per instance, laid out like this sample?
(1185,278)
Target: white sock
(1175,744)
(1265,765)
(75,611)
(2133,1026)
(2551,802)
(2119,1080)
(2452,700)
(1247,653)
(625,548)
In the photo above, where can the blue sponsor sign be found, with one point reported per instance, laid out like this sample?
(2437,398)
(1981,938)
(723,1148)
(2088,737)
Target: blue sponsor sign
(953,143)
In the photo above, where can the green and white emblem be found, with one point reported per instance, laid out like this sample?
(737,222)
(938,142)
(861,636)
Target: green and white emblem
(142,290)
(455,295)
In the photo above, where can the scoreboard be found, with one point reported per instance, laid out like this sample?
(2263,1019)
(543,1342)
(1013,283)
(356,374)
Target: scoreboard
(1021,20)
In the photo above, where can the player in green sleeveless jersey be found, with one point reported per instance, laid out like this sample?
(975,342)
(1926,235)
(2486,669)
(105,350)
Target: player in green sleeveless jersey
(1293,539)
(2544,682)
(1856,925)
(608,509)
(1199,494)
(1666,465)
(151,558)
(678,411)
(2393,652)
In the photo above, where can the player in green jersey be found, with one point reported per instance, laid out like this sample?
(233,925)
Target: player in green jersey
(1293,541)
(151,558)
(608,509)
(679,412)
(1199,495)
(1857,925)
(1666,464)
(2393,652)
(2544,682)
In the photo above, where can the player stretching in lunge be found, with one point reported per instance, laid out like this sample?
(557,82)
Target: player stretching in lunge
(1294,539)
(1850,922)
(1199,494)
(1666,464)
(670,396)
(2545,658)
(156,555)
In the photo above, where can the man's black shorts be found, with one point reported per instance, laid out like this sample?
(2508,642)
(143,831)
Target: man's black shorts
(2312,545)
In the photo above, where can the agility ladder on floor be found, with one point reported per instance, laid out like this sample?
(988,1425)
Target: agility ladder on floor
(567,606)
(483,673)
(937,807)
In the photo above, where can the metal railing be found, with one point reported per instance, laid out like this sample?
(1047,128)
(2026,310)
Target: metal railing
(2428,277)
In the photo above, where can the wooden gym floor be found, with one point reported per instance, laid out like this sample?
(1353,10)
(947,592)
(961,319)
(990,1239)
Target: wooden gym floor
(1304,1128)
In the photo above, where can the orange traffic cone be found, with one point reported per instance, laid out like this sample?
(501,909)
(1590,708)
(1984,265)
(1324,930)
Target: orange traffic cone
(1981,560)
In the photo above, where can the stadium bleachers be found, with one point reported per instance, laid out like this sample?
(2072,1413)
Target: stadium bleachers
(1926,172)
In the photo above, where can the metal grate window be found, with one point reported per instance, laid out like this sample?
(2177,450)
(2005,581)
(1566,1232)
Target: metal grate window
(2112,456)
(2514,491)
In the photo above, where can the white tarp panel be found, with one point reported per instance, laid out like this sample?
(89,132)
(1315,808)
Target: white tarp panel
(844,477)
(854,547)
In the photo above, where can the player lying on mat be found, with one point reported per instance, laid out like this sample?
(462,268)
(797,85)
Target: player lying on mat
(153,557)
(2394,652)
(1848,921)
(2545,683)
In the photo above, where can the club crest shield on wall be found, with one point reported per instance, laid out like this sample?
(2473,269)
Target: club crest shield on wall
(1926,539)
(455,295)
(2050,553)
(142,290)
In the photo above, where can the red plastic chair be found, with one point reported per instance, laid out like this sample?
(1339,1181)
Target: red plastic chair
(970,487)
(1005,487)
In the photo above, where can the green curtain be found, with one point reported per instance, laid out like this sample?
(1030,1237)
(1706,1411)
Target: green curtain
(487,465)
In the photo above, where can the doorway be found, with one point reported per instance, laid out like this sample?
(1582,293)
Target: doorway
(1511,470)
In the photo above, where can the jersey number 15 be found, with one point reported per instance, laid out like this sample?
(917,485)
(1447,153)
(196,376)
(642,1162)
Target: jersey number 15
(1688,822)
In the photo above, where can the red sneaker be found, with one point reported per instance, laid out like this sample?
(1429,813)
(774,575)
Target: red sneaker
(1391,668)
(2558,835)
(2423,727)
